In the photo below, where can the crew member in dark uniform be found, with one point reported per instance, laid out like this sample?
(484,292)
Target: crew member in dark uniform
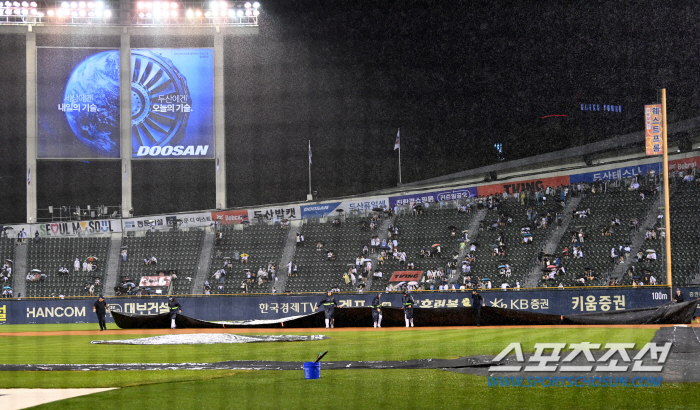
(679,297)
(477,302)
(407,303)
(377,310)
(175,308)
(100,308)
(329,304)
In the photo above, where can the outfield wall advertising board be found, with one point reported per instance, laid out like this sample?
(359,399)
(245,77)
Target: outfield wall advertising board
(557,302)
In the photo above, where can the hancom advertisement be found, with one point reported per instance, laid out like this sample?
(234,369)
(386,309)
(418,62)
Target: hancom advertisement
(172,103)
(77,103)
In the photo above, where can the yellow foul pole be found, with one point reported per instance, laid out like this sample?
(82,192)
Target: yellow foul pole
(667,208)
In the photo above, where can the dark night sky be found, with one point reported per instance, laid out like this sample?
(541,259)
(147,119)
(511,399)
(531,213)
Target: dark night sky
(455,76)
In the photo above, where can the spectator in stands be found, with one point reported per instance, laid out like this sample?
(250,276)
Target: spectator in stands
(651,257)
(218,254)
(652,280)
(219,238)
(154,261)
(76,265)
(146,261)
(244,258)
(36,237)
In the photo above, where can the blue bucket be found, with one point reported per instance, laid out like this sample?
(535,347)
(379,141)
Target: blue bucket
(312,370)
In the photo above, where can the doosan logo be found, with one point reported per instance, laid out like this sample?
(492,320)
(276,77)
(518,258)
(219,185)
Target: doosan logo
(199,150)
(318,208)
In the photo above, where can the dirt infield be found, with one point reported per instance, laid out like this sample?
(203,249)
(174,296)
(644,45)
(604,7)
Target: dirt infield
(309,330)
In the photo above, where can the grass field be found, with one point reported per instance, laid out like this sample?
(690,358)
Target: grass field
(190,389)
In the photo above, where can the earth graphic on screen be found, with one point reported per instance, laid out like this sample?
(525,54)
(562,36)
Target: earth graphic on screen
(95,81)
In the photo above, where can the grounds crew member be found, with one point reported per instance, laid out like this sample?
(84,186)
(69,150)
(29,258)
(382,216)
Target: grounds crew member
(329,304)
(407,306)
(377,310)
(175,308)
(477,302)
(100,308)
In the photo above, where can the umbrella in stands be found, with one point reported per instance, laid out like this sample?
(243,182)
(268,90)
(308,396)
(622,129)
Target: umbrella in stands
(502,266)
(36,270)
(6,287)
(452,228)
(435,245)
(485,279)
(340,210)
(378,209)
(552,267)
(8,260)
(650,251)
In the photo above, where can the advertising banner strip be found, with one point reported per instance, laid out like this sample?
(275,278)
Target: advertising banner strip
(653,129)
(615,173)
(683,164)
(517,187)
(363,204)
(434,196)
(234,217)
(319,210)
(289,212)
(67,228)
(406,276)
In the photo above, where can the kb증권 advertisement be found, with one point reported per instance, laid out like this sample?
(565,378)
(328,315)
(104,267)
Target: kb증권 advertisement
(77,103)
(172,103)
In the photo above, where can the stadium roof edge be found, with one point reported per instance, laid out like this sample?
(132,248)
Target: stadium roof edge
(537,162)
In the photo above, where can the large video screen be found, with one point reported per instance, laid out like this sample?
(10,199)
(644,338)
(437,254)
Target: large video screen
(77,103)
(172,103)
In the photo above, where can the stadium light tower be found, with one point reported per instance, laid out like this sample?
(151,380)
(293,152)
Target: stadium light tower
(142,13)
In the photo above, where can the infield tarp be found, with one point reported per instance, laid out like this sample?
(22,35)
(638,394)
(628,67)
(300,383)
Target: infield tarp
(670,313)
